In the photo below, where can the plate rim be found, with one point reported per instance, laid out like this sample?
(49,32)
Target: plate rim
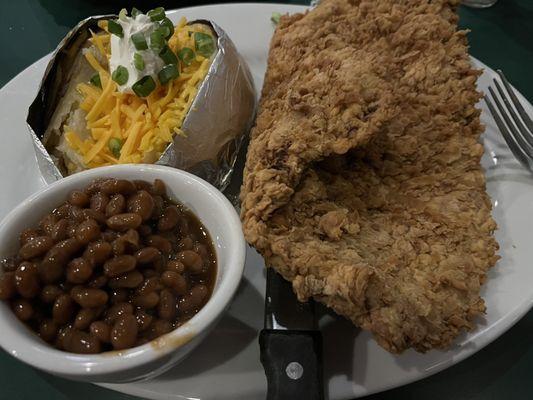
(483,338)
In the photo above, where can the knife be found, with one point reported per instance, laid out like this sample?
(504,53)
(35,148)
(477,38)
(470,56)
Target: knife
(290,344)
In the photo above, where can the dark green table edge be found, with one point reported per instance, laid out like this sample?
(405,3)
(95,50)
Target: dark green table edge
(501,37)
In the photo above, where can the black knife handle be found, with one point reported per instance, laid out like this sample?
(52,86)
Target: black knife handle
(293,364)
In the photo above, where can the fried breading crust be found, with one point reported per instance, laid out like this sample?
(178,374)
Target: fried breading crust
(363,183)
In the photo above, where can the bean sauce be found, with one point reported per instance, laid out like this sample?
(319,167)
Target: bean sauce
(116,265)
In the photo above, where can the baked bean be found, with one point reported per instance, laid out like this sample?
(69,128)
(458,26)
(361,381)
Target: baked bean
(67,248)
(98,282)
(59,231)
(48,330)
(9,264)
(167,305)
(194,300)
(64,309)
(176,266)
(61,334)
(22,309)
(130,280)
(141,203)
(159,205)
(185,244)
(114,186)
(174,281)
(159,187)
(76,214)
(169,219)
(149,285)
(52,267)
(79,270)
(71,229)
(62,211)
(8,289)
(159,243)
(50,293)
(107,268)
(87,231)
(97,252)
(26,235)
(147,255)
(124,332)
(118,247)
(101,331)
(99,202)
(159,327)
(36,247)
(118,296)
(85,316)
(94,186)
(81,342)
(89,297)
(143,320)
(89,213)
(47,223)
(201,249)
(116,205)
(120,264)
(27,280)
(78,198)
(123,222)
(192,261)
(146,301)
(142,185)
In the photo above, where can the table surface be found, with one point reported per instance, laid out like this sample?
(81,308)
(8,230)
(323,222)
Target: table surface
(501,37)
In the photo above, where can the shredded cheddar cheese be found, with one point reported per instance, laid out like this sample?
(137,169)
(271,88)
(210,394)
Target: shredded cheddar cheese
(144,125)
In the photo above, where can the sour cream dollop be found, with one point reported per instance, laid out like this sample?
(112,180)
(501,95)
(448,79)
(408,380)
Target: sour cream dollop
(123,50)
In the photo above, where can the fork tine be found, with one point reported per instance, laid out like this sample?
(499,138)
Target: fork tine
(516,102)
(511,142)
(525,137)
(524,146)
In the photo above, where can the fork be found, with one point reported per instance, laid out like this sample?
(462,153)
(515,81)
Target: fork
(518,135)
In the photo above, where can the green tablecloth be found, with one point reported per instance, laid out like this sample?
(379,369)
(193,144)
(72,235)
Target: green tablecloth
(501,37)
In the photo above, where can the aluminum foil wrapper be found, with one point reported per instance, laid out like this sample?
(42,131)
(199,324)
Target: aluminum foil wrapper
(214,128)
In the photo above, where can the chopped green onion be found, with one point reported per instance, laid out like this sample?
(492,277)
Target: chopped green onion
(135,12)
(157,40)
(168,56)
(157,14)
(115,28)
(138,61)
(205,45)
(115,145)
(139,41)
(167,73)
(120,75)
(95,80)
(167,27)
(123,14)
(275,17)
(186,56)
(144,86)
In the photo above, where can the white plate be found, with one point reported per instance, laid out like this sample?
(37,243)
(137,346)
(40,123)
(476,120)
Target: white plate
(226,365)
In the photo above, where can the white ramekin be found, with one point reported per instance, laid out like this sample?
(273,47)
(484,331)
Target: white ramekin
(218,216)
